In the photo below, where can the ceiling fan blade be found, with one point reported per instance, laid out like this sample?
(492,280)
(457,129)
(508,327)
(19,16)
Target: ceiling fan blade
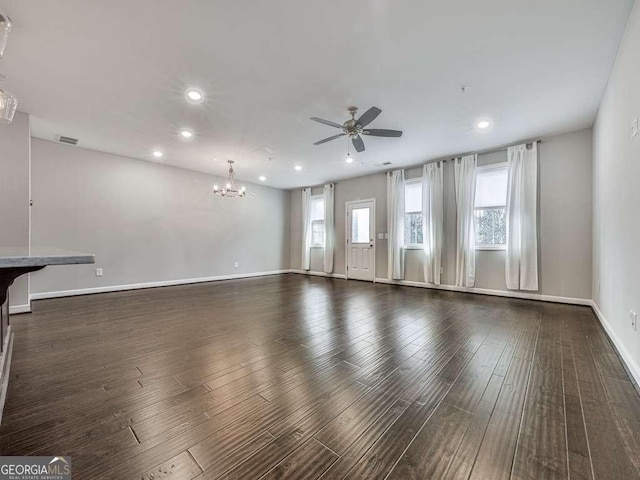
(358,144)
(325,140)
(369,116)
(377,132)
(326,122)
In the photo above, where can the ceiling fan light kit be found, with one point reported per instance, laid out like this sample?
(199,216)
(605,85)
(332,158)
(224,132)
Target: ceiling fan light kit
(355,128)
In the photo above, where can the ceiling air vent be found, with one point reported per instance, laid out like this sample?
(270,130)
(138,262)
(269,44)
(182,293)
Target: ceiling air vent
(68,140)
(386,163)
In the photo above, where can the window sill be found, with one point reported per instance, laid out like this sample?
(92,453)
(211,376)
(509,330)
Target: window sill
(491,247)
(413,247)
(317,246)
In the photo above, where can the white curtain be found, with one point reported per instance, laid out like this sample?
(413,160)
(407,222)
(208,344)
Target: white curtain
(329,228)
(306,228)
(432,223)
(465,184)
(522,232)
(395,216)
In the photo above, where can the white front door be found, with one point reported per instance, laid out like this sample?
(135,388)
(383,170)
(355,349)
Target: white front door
(360,229)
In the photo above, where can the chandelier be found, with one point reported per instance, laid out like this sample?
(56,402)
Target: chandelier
(230,188)
(8,103)
(5,30)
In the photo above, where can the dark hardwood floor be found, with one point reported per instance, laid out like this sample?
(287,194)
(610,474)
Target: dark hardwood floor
(303,377)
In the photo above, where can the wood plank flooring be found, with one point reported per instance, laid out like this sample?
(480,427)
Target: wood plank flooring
(304,377)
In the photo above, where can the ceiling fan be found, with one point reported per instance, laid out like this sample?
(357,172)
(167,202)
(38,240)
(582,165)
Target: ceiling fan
(355,128)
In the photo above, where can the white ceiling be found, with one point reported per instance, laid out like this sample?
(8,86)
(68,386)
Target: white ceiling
(113,74)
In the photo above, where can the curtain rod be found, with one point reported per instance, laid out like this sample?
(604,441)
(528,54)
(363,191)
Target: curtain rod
(492,150)
(503,148)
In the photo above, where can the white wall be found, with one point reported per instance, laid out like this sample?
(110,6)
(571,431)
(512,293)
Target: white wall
(14,195)
(616,187)
(565,200)
(147,222)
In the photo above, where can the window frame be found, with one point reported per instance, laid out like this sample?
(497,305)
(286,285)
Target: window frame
(418,180)
(488,168)
(312,199)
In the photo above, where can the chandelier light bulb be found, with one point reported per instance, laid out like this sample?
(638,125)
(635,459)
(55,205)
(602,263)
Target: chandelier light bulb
(215,188)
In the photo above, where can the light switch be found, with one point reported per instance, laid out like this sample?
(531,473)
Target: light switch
(386,236)
(380,236)
(634,127)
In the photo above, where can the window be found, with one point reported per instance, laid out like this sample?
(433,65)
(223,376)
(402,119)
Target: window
(413,214)
(317,221)
(360,225)
(490,208)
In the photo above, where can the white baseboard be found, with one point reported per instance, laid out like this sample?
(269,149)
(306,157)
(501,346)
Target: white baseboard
(318,274)
(136,286)
(26,308)
(486,291)
(632,366)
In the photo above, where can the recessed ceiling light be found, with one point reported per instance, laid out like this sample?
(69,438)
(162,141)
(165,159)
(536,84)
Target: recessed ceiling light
(262,178)
(194,95)
(157,153)
(483,124)
(349,158)
(184,133)
(298,167)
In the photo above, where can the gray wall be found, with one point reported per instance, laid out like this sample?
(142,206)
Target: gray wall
(616,187)
(14,195)
(564,222)
(147,222)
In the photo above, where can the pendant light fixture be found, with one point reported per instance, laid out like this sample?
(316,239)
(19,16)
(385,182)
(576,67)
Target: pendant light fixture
(8,105)
(230,189)
(5,30)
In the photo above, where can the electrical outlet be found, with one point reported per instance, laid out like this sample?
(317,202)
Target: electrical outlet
(598,286)
(98,272)
(633,316)
(441,270)
(634,127)
(236,265)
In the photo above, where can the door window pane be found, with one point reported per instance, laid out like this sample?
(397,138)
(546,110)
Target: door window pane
(360,225)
